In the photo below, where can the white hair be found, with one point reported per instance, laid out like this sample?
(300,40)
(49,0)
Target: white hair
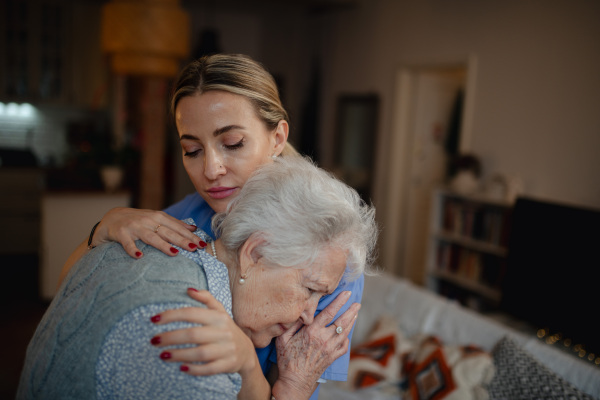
(299,210)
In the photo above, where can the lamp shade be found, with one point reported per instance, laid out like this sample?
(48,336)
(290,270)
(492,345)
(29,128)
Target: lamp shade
(145,37)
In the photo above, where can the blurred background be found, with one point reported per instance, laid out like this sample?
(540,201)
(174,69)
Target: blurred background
(396,97)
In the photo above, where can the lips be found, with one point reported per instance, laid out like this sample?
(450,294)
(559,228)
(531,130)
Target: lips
(220,192)
(286,327)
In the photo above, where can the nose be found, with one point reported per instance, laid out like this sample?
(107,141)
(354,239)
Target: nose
(213,165)
(308,314)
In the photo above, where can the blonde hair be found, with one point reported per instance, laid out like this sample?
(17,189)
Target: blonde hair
(233,73)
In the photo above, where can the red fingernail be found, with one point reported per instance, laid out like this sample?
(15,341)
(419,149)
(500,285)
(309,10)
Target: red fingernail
(174,250)
(195,227)
(192,289)
(192,245)
(165,355)
(184,368)
(155,340)
(156,318)
(203,244)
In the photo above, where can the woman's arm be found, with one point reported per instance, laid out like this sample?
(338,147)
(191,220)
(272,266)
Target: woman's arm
(222,347)
(126,225)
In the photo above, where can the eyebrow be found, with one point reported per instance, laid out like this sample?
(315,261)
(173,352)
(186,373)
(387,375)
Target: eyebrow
(217,132)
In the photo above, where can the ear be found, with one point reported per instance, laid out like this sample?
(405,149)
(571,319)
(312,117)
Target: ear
(249,253)
(281,136)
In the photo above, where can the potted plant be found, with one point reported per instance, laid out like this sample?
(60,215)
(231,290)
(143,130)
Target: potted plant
(115,163)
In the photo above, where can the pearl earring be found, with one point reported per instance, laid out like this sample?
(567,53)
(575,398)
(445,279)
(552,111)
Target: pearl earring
(243,279)
(274,156)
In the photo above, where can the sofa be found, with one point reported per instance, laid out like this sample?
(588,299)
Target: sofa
(402,327)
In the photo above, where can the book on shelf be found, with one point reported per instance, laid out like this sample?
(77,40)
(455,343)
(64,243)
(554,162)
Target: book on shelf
(473,221)
(469,246)
(487,269)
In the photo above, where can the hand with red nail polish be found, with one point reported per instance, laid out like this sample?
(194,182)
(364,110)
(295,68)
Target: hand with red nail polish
(126,225)
(220,346)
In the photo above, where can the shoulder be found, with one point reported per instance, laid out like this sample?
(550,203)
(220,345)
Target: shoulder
(193,206)
(109,262)
(191,202)
(355,286)
(108,275)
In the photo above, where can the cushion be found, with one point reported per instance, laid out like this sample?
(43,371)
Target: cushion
(419,368)
(452,372)
(519,376)
(377,359)
(429,376)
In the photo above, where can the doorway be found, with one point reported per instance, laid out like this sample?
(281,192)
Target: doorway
(427,101)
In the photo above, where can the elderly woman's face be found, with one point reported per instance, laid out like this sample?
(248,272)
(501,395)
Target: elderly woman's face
(273,299)
(223,142)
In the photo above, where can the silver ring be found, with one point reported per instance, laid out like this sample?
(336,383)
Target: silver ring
(156,229)
(338,329)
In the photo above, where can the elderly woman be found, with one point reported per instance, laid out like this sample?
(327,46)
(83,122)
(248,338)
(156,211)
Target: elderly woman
(289,238)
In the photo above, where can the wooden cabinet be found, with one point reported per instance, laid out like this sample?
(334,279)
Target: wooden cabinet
(467,252)
(20,202)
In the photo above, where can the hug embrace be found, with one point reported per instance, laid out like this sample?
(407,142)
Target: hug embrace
(248,288)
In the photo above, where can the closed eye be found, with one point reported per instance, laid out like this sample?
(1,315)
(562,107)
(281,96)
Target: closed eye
(312,292)
(191,154)
(235,146)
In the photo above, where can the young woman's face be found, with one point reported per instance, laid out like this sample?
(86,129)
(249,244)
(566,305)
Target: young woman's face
(223,142)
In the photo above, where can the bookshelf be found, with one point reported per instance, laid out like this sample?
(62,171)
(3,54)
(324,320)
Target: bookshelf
(468,246)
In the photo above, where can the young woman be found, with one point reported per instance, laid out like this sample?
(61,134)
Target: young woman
(230,121)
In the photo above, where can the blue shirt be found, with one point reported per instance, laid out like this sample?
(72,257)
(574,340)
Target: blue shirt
(193,206)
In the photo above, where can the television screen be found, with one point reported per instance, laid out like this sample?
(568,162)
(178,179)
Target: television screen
(553,266)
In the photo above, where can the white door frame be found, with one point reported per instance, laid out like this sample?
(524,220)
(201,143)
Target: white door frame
(398,156)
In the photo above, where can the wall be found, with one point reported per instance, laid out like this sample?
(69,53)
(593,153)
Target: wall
(537,89)
(537,96)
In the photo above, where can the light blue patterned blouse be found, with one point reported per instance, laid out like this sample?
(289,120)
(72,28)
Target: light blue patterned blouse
(135,374)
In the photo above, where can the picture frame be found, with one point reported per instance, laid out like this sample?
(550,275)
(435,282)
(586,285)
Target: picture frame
(356,134)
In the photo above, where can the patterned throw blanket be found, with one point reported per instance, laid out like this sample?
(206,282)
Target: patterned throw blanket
(420,367)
